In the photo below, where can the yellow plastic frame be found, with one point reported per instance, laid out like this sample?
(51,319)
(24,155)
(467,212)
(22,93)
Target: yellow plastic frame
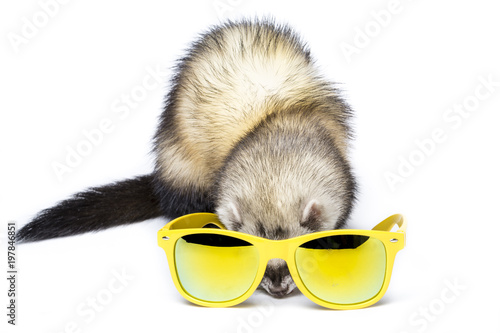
(284,249)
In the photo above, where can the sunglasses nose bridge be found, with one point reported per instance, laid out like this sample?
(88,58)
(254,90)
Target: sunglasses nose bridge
(277,249)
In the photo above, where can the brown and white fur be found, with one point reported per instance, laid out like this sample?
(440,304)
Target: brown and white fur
(250,131)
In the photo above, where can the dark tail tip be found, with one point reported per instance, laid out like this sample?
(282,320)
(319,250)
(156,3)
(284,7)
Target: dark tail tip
(97,208)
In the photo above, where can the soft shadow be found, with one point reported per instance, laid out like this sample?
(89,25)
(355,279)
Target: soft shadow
(312,305)
(246,304)
(251,302)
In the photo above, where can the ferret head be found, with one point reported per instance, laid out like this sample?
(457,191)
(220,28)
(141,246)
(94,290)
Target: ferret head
(280,187)
(277,219)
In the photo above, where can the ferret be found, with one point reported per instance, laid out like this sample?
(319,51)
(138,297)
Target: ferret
(250,131)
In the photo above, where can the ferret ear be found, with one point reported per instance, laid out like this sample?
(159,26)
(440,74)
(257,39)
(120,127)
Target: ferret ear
(312,216)
(234,216)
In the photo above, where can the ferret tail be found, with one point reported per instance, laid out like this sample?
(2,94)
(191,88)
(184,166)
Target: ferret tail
(98,208)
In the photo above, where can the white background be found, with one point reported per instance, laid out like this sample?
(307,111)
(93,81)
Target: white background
(427,58)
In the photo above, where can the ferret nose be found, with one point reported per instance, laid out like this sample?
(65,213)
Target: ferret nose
(278,290)
(279,282)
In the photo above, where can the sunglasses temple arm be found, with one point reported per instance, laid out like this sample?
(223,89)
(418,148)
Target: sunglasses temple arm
(390,222)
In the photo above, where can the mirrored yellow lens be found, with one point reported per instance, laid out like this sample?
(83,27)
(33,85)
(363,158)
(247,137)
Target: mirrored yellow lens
(344,269)
(215,268)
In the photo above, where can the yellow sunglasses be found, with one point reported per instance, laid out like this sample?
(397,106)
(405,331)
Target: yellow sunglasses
(338,269)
